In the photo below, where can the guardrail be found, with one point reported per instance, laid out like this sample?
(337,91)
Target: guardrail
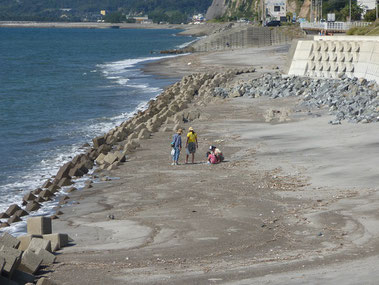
(333,26)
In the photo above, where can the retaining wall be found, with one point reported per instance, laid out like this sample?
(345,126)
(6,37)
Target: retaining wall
(242,38)
(333,57)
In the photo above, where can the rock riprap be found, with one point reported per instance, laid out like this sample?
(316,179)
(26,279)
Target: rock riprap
(355,100)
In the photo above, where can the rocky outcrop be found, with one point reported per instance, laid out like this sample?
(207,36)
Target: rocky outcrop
(217,9)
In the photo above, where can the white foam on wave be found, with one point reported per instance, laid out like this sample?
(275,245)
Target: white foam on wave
(146,87)
(118,70)
(47,167)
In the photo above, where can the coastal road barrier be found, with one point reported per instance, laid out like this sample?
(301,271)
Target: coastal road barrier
(242,38)
(335,57)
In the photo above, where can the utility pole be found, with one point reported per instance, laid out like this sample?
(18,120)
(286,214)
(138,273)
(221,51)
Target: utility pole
(349,10)
(311,13)
(321,9)
(377,3)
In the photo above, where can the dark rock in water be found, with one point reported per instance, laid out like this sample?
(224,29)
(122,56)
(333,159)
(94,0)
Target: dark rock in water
(32,206)
(14,219)
(21,213)
(12,209)
(97,142)
(85,145)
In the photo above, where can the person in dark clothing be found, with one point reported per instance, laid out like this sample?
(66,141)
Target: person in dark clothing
(177,145)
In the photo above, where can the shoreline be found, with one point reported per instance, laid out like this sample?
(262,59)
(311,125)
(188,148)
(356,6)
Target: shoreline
(51,209)
(290,200)
(240,221)
(84,25)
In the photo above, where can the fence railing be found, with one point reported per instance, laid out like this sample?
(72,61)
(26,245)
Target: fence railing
(333,26)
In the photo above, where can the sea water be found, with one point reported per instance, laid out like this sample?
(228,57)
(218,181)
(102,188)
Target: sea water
(59,88)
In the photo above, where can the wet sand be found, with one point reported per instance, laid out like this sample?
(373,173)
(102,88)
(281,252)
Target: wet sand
(295,202)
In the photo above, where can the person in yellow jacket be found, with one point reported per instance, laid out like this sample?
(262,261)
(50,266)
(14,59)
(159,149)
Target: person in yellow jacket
(191,144)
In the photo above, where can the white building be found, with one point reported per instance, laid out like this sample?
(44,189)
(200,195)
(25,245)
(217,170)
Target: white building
(276,9)
(366,5)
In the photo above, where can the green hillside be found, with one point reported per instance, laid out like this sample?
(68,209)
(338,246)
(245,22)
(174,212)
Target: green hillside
(79,10)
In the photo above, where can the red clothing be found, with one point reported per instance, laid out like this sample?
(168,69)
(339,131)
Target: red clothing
(213,159)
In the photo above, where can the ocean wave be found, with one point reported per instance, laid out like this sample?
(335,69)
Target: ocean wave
(145,87)
(39,141)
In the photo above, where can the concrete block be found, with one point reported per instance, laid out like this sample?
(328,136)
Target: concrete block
(6,281)
(12,209)
(110,158)
(45,281)
(25,241)
(47,257)
(65,182)
(12,258)
(14,219)
(4,216)
(58,241)
(21,277)
(39,226)
(37,243)
(9,241)
(2,263)
(32,206)
(30,262)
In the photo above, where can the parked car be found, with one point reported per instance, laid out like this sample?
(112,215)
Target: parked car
(274,23)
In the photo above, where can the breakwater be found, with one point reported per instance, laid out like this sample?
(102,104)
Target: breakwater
(109,150)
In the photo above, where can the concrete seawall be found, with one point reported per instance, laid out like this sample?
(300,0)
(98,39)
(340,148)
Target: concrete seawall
(241,38)
(334,57)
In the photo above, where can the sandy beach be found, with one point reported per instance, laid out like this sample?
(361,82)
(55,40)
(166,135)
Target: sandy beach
(295,201)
